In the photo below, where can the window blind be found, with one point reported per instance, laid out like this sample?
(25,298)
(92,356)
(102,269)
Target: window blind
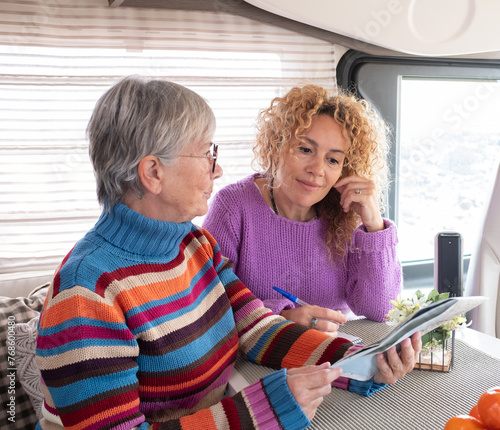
(58,57)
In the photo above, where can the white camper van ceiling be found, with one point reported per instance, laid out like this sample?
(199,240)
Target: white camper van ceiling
(416,27)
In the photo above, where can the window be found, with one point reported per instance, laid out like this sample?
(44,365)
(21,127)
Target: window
(52,73)
(446,134)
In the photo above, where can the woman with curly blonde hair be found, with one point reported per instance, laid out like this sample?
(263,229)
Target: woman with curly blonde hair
(310,222)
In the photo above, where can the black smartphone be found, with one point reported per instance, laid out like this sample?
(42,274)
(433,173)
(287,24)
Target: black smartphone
(448,263)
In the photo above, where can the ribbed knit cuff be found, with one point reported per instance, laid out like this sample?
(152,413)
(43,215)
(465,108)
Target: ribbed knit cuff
(375,242)
(290,413)
(341,382)
(365,388)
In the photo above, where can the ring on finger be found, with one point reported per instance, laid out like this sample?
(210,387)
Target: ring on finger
(314,321)
(357,191)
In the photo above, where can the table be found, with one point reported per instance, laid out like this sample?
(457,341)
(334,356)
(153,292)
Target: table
(481,341)
(421,400)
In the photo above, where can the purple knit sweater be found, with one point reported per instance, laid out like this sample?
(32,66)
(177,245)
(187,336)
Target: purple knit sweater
(271,250)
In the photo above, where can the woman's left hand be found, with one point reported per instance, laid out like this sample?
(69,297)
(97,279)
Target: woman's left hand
(327,320)
(396,365)
(360,194)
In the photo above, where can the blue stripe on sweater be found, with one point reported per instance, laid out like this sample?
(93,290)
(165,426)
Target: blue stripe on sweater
(87,388)
(81,344)
(191,352)
(252,354)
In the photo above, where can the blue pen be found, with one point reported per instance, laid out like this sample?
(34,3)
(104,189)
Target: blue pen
(291,297)
(295,299)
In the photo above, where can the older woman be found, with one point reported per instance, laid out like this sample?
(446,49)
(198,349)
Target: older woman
(145,317)
(310,223)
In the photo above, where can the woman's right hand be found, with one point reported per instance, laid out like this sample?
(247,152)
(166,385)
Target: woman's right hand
(310,384)
(328,319)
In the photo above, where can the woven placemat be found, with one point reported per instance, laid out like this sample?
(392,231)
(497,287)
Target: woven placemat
(421,400)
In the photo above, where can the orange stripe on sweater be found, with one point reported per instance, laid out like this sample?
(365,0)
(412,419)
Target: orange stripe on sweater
(155,291)
(158,290)
(201,420)
(310,340)
(78,306)
(242,292)
(109,413)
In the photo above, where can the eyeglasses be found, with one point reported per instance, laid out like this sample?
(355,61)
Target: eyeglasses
(210,155)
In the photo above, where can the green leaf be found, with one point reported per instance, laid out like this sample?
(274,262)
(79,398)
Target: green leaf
(432,295)
(442,296)
(439,335)
(426,338)
(419,294)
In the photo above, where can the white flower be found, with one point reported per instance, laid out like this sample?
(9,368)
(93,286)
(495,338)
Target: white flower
(404,307)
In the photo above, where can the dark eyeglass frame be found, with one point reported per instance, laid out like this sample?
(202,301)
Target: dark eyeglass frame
(212,156)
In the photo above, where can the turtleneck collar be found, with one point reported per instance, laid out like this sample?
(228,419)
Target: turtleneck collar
(135,233)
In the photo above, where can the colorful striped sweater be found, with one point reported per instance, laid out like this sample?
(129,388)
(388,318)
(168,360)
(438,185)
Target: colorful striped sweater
(141,328)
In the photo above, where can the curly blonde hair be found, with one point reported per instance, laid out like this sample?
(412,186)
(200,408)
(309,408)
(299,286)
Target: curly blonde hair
(368,135)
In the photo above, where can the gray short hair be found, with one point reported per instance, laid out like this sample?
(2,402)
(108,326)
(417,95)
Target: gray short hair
(139,117)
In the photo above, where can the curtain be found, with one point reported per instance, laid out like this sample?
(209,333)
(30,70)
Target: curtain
(57,57)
